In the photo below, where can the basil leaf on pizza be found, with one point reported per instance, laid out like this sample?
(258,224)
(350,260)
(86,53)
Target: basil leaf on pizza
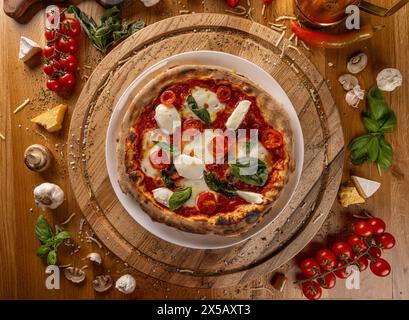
(202,113)
(179,197)
(250,170)
(170,149)
(220,186)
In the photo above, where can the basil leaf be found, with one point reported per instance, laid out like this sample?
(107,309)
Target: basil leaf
(373,149)
(220,186)
(259,178)
(370,124)
(43,250)
(385,157)
(378,107)
(202,113)
(128,30)
(52,257)
(390,122)
(43,230)
(169,183)
(63,235)
(179,197)
(359,142)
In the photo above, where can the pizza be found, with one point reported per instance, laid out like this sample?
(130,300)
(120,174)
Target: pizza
(205,150)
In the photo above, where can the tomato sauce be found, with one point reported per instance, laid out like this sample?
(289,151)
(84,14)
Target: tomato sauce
(253,120)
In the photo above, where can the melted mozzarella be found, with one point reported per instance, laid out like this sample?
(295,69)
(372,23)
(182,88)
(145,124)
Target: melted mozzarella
(250,197)
(238,115)
(200,147)
(198,186)
(168,119)
(189,167)
(205,99)
(162,195)
(146,164)
(259,152)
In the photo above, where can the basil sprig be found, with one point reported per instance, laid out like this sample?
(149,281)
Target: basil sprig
(220,186)
(378,120)
(179,197)
(49,241)
(110,30)
(202,113)
(259,178)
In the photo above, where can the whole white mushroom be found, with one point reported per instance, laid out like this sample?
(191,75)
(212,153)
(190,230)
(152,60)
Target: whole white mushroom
(389,79)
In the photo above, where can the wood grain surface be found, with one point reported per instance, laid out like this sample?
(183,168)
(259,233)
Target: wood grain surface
(23,273)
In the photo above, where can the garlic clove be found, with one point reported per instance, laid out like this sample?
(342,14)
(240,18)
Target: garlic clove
(150,3)
(126,284)
(48,195)
(357,63)
(389,79)
(95,257)
(348,81)
(354,96)
(38,157)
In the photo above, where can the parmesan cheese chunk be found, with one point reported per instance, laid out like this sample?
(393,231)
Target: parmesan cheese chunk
(250,197)
(168,119)
(366,187)
(349,196)
(238,115)
(162,195)
(51,120)
(189,167)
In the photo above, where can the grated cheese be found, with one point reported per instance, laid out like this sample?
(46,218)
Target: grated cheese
(68,220)
(21,106)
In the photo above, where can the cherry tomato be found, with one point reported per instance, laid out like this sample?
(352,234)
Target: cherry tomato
(374,252)
(216,147)
(310,268)
(223,93)
(51,66)
(380,267)
(342,250)
(50,51)
(53,85)
(362,263)
(68,62)
(356,243)
(267,2)
(192,123)
(51,14)
(206,202)
(385,240)
(326,259)
(311,290)
(71,27)
(67,44)
(232,3)
(341,273)
(50,34)
(328,282)
(168,98)
(159,159)
(378,225)
(363,228)
(271,138)
(67,80)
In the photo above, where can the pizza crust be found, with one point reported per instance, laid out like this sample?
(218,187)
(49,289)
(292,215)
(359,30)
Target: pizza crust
(227,224)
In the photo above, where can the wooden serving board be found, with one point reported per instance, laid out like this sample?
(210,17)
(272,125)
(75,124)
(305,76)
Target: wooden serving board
(288,233)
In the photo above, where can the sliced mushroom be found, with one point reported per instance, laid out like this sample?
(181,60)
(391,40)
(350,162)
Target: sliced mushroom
(74,274)
(348,81)
(37,157)
(102,283)
(95,257)
(389,79)
(357,63)
(354,96)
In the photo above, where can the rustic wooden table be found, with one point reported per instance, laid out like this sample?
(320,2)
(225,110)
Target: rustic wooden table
(22,272)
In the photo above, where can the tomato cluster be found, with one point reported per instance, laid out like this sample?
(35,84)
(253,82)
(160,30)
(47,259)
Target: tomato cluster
(362,249)
(59,53)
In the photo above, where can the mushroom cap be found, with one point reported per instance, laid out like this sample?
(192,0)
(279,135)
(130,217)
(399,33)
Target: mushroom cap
(348,81)
(37,157)
(75,275)
(102,283)
(357,63)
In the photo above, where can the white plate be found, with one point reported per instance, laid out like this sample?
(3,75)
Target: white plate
(210,58)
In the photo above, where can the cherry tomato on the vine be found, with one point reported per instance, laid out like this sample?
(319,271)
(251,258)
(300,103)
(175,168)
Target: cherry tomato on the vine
(342,250)
(310,267)
(363,228)
(385,240)
(356,243)
(71,27)
(50,34)
(67,44)
(50,51)
(378,225)
(232,3)
(327,282)
(51,66)
(267,2)
(380,267)
(341,273)
(67,80)
(53,85)
(326,259)
(311,290)
(362,263)
(68,62)
(374,252)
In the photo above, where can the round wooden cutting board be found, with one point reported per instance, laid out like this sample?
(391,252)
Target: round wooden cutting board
(279,241)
